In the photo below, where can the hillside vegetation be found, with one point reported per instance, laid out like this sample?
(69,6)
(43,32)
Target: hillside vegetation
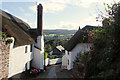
(58,34)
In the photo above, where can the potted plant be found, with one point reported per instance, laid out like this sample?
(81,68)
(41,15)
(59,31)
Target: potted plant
(34,71)
(9,41)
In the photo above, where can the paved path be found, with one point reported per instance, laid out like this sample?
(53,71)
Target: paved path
(53,72)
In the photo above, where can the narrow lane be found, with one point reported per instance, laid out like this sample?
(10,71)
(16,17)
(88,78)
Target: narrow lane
(52,73)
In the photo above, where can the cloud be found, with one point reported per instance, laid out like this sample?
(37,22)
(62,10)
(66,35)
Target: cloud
(24,12)
(21,9)
(91,20)
(63,25)
(83,4)
(17,0)
(74,26)
(33,8)
(109,1)
(27,14)
(68,25)
(53,6)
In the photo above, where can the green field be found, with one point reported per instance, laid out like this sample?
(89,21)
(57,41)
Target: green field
(50,35)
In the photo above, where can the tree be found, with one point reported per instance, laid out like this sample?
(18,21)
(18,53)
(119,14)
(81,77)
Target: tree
(106,40)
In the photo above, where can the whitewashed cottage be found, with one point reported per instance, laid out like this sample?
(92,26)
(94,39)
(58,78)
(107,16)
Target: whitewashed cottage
(27,48)
(73,47)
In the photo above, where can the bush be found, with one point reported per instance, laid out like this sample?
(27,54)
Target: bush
(105,57)
(81,56)
(45,55)
(9,41)
(80,64)
(53,56)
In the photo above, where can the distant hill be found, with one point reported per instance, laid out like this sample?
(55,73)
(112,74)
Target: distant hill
(59,32)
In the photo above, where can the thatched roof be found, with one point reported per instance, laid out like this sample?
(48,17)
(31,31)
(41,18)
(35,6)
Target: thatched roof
(34,34)
(17,28)
(74,40)
(88,27)
(77,38)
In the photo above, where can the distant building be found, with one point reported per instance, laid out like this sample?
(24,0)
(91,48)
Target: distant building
(58,50)
(74,46)
(27,48)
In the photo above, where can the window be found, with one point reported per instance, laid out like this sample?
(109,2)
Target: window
(31,48)
(63,51)
(68,61)
(26,49)
(68,53)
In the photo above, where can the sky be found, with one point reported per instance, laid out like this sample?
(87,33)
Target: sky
(57,14)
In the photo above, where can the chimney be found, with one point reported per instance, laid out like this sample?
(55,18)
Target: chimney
(40,20)
(79,28)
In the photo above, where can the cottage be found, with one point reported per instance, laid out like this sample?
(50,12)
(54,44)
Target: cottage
(58,50)
(27,48)
(74,46)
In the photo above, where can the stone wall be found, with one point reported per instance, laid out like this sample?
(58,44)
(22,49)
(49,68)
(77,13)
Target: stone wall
(4,59)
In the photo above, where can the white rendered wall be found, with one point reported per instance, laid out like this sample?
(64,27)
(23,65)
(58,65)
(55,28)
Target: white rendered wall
(40,42)
(18,58)
(55,61)
(38,57)
(64,61)
(81,47)
(46,62)
(69,60)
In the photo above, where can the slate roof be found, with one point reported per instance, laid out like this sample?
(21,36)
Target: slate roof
(77,38)
(18,29)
